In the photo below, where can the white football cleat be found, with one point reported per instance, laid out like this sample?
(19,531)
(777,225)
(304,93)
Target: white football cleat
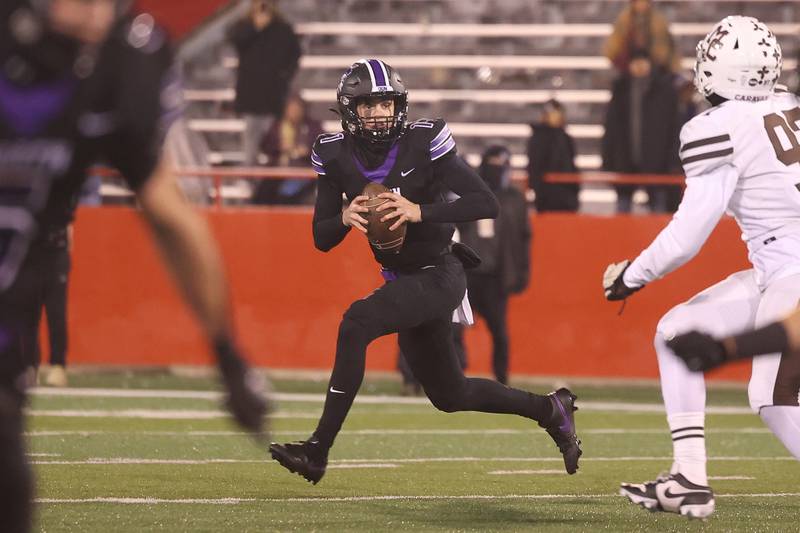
(673,494)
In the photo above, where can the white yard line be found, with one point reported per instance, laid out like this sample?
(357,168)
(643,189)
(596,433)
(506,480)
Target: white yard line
(562,472)
(363,399)
(363,465)
(235,501)
(383,460)
(525,472)
(161,414)
(391,432)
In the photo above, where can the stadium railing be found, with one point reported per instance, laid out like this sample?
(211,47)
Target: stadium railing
(218,175)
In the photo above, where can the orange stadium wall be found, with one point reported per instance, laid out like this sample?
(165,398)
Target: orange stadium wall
(289,297)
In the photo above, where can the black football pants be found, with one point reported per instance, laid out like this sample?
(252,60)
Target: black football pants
(419,307)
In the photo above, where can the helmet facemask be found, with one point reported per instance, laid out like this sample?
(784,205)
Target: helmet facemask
(376,127)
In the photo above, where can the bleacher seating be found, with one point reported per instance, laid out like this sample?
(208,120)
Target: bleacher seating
(482,64)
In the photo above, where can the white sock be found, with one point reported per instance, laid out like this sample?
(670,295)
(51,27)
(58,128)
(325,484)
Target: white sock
(689,446)
(784,421)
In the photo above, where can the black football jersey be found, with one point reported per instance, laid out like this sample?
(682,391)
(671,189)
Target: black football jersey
(52,130)
(421,166)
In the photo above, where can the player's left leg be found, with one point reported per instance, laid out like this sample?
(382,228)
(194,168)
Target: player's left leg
(775,381)
(431,355)
(723,309)
(410,300)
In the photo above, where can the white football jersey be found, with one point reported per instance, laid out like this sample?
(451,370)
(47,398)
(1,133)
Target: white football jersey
(743,158)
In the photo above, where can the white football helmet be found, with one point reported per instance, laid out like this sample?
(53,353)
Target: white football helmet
(739,60)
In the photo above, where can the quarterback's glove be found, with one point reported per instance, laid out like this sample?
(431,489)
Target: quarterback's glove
(614,287)
(244,398)
(699,351)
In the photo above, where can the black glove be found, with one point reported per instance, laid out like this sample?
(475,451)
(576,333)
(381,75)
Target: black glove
(698,350)
(613,286)
(244,389)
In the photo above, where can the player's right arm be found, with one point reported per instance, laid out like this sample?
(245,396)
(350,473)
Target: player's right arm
(707,156)
(331,222)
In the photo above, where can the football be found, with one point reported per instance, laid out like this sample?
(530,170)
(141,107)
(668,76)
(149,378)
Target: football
(378,232)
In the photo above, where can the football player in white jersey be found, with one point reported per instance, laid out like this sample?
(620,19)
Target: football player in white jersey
(743,157)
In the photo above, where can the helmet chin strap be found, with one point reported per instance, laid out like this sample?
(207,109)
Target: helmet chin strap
(714,99)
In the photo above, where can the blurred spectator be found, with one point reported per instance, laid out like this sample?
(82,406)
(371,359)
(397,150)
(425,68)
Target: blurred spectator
(687,99)
(504,247)
(269,53)
(642,129)
(793,81)
(288,144)
(551,149)
(640,26)
(52,299)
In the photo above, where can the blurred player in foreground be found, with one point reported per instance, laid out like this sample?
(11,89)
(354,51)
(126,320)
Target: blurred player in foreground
(743,156)
(701,351)
(425,279)
(81,80)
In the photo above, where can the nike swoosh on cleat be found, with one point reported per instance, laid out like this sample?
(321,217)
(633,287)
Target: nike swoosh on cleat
(669,494)
(565,427)
(336,391)
(407,172)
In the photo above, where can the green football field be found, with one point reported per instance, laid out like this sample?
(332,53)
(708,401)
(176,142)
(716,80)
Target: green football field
(154,453)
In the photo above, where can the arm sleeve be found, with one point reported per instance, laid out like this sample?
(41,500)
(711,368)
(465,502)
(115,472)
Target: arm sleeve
(293,53)
(327,225)
(475,200)
(711,176)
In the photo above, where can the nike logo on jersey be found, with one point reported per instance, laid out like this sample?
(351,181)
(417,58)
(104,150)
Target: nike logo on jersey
(407,172)
(336,391)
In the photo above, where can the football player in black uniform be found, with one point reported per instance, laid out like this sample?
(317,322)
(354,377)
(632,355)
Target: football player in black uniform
(425,279)
(80,82)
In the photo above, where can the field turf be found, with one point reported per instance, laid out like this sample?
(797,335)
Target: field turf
(152,452)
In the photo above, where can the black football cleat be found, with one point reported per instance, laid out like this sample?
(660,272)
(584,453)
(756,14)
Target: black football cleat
(305,458)
(562,427)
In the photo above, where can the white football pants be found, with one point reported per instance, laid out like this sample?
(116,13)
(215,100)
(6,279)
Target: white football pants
(732,306)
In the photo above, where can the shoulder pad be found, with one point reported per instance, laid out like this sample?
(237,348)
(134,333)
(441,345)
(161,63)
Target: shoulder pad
(436,132)
(705,144)
(325,148)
